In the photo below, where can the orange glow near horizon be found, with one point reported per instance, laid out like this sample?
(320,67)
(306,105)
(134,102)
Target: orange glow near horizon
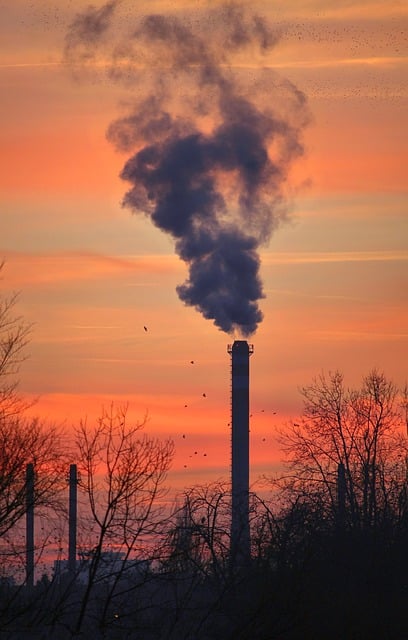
(202,440)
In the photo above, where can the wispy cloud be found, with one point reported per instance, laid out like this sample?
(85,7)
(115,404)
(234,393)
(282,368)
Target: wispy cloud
(372,61)
(94,327)
(336,256)
(358,336)
(17,65)
(24,269)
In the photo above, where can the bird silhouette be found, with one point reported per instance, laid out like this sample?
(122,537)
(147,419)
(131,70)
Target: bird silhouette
(145,328)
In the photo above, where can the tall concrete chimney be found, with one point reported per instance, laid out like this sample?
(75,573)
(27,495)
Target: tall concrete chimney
(29,525)
(73,487)
(341,496)
(240,352)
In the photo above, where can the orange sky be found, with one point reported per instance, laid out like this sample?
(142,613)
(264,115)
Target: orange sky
(91,274)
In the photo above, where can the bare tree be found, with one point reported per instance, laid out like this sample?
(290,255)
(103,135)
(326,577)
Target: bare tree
(199,539)
(26,443)
(23,440)
(362,432)
(122,471)
(14,337)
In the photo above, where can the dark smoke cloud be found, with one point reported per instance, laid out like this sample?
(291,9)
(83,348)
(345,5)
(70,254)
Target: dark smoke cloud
(210,147)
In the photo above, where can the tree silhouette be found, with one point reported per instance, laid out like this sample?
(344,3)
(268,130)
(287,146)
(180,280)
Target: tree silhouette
(23,440)
(14,337)
(359,434)
(339,519)
(32,456)
(122,471)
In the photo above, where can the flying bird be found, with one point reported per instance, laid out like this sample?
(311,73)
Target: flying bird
(145,328)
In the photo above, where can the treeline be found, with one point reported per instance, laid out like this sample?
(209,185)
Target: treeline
(329,544)
(328,547)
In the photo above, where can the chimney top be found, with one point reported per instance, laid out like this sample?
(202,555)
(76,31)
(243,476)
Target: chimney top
(240,346)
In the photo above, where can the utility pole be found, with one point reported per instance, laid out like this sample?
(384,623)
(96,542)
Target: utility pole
(72,542)
(30,525)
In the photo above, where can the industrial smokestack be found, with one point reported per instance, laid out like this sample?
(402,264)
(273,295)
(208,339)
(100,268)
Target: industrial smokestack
(30,525)
(73,483)
(341,496)
(240,352)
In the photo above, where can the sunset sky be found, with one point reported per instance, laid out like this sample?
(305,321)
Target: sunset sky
(92,274)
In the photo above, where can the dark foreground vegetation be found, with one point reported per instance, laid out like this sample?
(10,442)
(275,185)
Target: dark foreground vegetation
(309,583)
(329,536)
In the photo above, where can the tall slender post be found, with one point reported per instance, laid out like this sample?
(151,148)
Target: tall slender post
(73,484)
(30,525)
(240,536)
(341,496)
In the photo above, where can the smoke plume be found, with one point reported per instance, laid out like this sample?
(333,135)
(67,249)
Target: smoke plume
(210,138)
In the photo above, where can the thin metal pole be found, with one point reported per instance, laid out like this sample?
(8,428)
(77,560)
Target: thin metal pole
(341,496)
(30,525)
(73,484)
